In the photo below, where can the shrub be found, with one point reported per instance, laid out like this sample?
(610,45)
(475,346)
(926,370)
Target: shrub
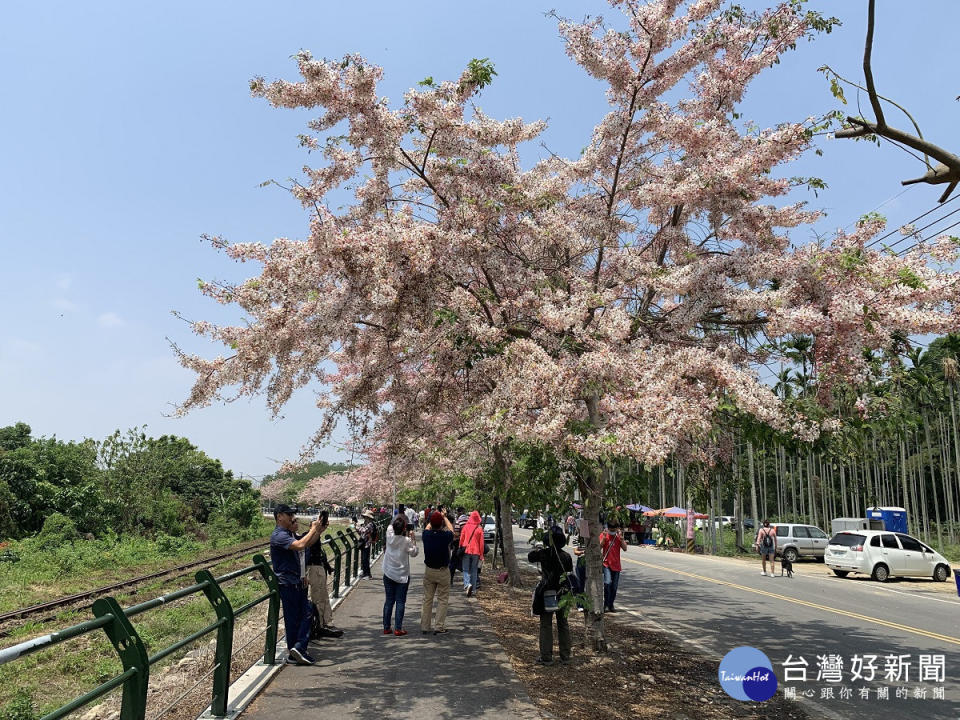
(58,530)
(168,545)
(244,510)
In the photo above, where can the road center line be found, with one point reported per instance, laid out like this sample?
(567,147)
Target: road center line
(806,603)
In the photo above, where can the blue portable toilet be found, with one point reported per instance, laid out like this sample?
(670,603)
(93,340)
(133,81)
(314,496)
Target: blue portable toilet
(894,518)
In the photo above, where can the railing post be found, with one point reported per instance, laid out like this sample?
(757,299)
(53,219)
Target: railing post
(273,610)
(346,551)
(355,537)
(132,654)
(224,651)
(336,566)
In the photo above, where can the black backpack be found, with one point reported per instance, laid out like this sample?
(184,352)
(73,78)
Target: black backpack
(767,541)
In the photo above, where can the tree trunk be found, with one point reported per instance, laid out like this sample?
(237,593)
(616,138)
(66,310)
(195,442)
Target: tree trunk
(753,485)
(593,615)
(593,493)
(947,475)
(956,446)
(505,526)
(933,484)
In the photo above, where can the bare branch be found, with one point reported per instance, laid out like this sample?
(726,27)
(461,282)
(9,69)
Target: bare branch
(867,71)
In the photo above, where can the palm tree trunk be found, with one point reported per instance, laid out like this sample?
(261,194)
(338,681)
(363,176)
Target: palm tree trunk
(753,484)
(947,474)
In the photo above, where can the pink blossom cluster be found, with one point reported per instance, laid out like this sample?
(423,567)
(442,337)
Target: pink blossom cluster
(274,490)
(601,305)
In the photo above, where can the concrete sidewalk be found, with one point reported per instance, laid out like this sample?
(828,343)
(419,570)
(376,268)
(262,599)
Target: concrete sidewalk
(462,674)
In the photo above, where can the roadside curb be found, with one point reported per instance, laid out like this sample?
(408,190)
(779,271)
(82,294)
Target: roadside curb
(245,689)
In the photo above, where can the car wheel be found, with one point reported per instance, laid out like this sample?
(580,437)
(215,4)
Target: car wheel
(881,573)
(841,573)
(790,555)
(940,573)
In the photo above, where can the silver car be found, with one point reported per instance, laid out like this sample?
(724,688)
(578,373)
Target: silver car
(796,541)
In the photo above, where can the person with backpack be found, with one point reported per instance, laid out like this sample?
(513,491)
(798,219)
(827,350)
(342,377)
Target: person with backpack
(436,536)
(766,545)
(555,564)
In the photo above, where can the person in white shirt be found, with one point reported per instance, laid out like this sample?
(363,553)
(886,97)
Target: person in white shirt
(400,547)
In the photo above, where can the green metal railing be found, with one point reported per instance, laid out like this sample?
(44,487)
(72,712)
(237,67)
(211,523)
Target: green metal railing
(134,659)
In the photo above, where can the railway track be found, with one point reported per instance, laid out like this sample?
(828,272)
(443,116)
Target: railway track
(173,572)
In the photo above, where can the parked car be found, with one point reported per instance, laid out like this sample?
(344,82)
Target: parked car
(882,554)
(489,532)
(527,519)
(748,523)
(796,541)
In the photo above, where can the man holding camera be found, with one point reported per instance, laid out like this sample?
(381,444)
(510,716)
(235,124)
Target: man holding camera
(317,568)
(288,554)
(611,543)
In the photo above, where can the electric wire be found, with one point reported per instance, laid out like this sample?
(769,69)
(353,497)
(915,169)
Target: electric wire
(923,215)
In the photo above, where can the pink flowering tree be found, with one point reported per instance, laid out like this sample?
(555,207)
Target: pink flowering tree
(603,306)
(275,490)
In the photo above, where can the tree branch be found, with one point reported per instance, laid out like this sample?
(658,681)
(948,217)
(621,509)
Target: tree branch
(867,71)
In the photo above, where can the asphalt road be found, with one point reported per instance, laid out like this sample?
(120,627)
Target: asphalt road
(716,604)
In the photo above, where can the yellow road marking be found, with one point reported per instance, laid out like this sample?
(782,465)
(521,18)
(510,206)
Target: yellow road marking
(797,601)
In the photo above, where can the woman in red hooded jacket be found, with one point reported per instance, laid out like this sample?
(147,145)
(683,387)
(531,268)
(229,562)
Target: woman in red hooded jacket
(471,540)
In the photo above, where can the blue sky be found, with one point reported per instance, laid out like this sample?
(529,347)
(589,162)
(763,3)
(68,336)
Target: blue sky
(127,130)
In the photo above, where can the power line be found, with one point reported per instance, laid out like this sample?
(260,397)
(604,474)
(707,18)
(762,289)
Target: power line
(903,252)
(888,200)
(896,230)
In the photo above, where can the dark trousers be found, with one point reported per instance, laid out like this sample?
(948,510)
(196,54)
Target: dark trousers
(546,635)
(396,595)
(580,573)
(611,581)
(365,560)
(296,615)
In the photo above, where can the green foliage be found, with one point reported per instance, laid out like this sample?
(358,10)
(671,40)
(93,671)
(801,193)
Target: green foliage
(243,510)
(14,436)
(909,278)
(58,530)
(20,707)
(870,217)
(837,90)
(42,476)
(129,482)
(479,74)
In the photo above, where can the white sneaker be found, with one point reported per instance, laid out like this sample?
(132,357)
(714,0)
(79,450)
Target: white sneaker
(763,572)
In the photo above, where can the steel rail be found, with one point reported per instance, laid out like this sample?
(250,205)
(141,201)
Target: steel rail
(76,597)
